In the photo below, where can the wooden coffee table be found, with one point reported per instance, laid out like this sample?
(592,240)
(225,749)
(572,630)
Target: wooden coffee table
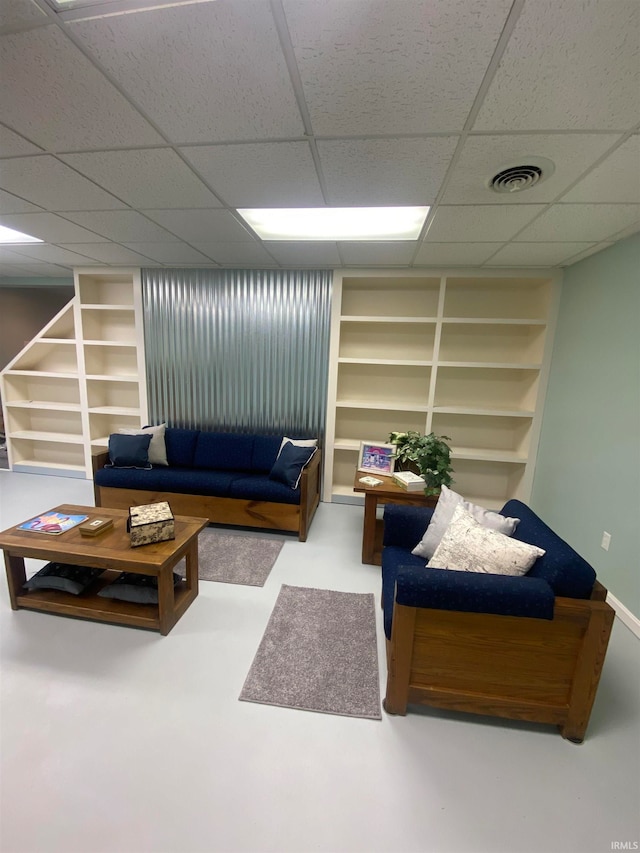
(112,551)
(386,493)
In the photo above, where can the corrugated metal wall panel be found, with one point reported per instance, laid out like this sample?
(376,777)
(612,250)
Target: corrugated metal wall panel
(238,350)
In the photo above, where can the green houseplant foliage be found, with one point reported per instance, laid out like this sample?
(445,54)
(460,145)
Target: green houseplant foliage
(429,455)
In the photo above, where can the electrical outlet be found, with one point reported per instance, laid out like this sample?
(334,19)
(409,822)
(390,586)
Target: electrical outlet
(606,540)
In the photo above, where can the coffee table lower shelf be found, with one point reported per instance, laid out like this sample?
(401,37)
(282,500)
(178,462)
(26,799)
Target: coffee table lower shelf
(95,607)
(111,552)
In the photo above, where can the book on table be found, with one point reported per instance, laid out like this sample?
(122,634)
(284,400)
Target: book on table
(409,481)
(53,523)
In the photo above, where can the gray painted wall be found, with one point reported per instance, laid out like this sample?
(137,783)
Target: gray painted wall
(24,311)
(587,477)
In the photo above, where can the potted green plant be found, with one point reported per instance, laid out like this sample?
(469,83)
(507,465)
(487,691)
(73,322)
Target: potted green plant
(428,455)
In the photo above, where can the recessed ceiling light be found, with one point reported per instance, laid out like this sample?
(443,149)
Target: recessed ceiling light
(8,235)
(336,223)
(88,10)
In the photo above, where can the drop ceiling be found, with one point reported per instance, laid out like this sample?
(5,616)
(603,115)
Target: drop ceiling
(131,139)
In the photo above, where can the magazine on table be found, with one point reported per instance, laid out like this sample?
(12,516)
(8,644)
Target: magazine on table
(53,523)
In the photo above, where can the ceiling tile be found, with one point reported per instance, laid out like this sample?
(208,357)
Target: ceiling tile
(122,226)
(388,254)
(482,157)
(367,68)
(454,254)
(201,226)
(20,13)
(53,185)
(12,204)
(616,179)
(536,254)
(169,253)
(10,255)
(145,178)
(568,65)
(480,223)
(205,72)
(50,228)
(580,223)
(385,171)
(12,145)
(109,253)
(52,94)
(238,253)
(54,254)
(304,254)
(270,174)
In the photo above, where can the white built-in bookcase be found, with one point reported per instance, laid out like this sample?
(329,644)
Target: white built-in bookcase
(80,379)
(461,354)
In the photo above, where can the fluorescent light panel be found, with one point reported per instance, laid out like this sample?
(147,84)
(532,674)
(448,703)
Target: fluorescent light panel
(336,223)
(8,235)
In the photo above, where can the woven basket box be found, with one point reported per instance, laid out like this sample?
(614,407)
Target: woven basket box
(151,523)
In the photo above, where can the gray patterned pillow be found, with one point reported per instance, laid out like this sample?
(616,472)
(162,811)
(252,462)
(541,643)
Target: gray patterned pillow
(130,586)
(65,577)
(467,546)
(443,513)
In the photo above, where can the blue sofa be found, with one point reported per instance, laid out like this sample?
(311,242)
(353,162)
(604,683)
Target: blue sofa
(220,476)
(528,648)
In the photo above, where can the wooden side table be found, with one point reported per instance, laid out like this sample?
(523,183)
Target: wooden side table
(386,493)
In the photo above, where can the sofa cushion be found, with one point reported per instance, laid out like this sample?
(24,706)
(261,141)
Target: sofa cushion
(181,445)
(129,451)
(566,572)
(188,481)
(443,513)
(404,525)
(288,466)
(224,451)
(258,487)
(405,580)
(265,451)
(467,546)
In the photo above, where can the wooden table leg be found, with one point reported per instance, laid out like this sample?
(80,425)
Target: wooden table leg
(16,576)
(369,528)
(166,601)
(191,560)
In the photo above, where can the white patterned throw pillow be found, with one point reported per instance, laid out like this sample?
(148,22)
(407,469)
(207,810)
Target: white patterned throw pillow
(443,513)
(467,546)
(157,448)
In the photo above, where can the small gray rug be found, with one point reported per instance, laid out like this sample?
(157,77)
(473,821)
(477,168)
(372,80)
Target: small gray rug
(227,558)
(318,653)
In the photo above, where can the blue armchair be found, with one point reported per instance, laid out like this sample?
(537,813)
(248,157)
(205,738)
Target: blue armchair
(529,648)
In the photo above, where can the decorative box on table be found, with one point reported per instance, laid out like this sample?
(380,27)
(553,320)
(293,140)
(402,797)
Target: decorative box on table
(151,523)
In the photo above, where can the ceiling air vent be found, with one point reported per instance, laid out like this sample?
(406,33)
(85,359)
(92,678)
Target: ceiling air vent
(515,179)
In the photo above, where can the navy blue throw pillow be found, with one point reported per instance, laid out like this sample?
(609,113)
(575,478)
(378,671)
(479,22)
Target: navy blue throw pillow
(288,466)
(129,451)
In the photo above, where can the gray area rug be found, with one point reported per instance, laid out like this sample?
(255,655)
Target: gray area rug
(318,653)
(227,558)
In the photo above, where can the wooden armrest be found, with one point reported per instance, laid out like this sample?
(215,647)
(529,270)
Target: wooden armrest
(99,459)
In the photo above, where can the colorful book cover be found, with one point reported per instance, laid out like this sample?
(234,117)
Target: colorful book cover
(53,523)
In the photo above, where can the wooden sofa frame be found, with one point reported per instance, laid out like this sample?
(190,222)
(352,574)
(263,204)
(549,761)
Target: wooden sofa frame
(290,518)
(541,670)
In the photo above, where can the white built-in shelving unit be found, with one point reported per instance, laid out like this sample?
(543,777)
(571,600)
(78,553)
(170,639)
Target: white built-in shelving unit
(80,379)
(461,354)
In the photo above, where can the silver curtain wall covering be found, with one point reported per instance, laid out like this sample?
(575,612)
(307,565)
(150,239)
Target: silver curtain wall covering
(242,350)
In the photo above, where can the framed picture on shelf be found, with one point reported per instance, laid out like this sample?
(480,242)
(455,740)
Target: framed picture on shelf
(376,458)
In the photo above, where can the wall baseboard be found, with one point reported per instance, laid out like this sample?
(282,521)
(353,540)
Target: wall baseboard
(624,614)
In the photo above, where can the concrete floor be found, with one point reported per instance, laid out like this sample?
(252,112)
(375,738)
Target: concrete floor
(115,740)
